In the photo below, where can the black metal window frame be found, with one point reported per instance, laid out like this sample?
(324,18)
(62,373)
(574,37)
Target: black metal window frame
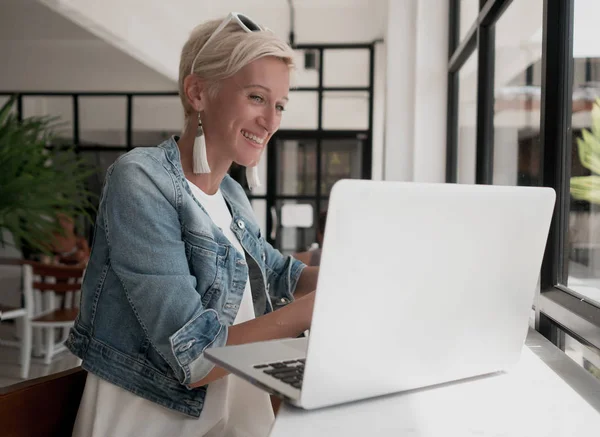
(557,309)
(318,135)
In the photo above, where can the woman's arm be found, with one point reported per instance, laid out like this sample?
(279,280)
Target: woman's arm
(303,256)
(288,322)
(307,282)
(141,224)
(147,254)
(289,277)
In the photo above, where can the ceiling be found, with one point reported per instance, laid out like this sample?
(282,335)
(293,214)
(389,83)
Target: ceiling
(28,20)
(140,33)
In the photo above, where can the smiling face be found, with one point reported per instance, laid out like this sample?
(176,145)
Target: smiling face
(246,111)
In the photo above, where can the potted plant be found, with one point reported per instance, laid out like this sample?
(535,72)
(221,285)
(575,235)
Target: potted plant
(40,181)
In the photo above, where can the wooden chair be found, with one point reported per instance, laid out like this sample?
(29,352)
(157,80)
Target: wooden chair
(43,406)
(42,285)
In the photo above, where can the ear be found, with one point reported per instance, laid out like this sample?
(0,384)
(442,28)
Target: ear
(194,89)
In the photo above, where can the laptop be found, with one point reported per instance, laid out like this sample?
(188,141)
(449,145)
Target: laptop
(420,284)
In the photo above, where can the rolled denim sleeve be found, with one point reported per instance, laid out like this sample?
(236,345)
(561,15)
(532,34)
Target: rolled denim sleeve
(147,254)
(283,273)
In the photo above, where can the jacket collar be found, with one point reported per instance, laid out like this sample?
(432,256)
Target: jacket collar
(227,186)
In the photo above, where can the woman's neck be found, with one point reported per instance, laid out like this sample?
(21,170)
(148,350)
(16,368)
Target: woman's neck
(207,182)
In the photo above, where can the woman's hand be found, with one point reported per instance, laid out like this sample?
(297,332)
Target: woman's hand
(287,322)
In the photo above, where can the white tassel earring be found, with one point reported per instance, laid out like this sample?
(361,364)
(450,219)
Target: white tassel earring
(252,177)
(200,159)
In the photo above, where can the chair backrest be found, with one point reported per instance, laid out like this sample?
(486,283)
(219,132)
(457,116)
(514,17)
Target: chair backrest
(40,278)
(57,278)
(43,406)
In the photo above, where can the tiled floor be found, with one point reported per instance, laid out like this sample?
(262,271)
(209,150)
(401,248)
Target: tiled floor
(10,368)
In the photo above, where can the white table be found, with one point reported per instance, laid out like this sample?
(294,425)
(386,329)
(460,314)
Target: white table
(545,395)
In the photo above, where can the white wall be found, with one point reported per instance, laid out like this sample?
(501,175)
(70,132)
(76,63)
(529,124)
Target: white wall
(379,111)
(43,51)
(153,31)
(415,119)
(74,66)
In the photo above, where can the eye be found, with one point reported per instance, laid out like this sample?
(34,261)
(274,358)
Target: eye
(256,98)
(280,108)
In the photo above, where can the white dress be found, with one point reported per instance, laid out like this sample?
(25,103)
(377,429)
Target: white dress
(232,408)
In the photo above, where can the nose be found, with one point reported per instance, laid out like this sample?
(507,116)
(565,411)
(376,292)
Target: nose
(270,120)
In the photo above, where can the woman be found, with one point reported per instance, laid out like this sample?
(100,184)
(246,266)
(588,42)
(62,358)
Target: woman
(178,262)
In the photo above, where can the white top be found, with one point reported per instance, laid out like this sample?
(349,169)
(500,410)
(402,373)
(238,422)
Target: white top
(232,408)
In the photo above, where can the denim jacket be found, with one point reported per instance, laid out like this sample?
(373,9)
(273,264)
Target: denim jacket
(164,283)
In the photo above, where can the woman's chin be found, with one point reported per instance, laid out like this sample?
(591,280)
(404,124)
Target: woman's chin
(249,161)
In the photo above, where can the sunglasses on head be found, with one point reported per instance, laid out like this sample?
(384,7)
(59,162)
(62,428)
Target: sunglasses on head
(246,23)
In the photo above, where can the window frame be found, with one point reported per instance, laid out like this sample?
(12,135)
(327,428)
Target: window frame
(317,133)
(557,309)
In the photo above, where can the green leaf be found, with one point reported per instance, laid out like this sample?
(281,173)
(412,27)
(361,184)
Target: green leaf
(38,183)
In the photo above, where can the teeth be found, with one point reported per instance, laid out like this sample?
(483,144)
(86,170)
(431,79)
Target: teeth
(252,137)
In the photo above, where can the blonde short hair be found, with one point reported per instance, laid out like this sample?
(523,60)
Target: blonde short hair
(228,52)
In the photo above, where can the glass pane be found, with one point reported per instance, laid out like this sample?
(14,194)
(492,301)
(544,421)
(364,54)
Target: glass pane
(467,117)
(584,216)
(346,110)
(259,206)
(302,111)
(291,240)
(517,157)
(60,107)
(4,99)
(324,206)
(99,161)
(469,9)
(353,62)
(155,119)
(102,121)
(340,159)
(296,167)
(307,68)
(297,215)
(586,356)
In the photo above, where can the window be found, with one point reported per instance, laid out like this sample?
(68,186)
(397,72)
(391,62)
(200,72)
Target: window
(155,119)
(583,246)
(536,84)
(586,356)
(517,85)
(58,107)
(102,120)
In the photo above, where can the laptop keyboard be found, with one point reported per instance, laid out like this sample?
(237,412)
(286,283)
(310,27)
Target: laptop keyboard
(291,372)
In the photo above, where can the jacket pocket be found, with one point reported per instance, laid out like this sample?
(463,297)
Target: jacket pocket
(206,260)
